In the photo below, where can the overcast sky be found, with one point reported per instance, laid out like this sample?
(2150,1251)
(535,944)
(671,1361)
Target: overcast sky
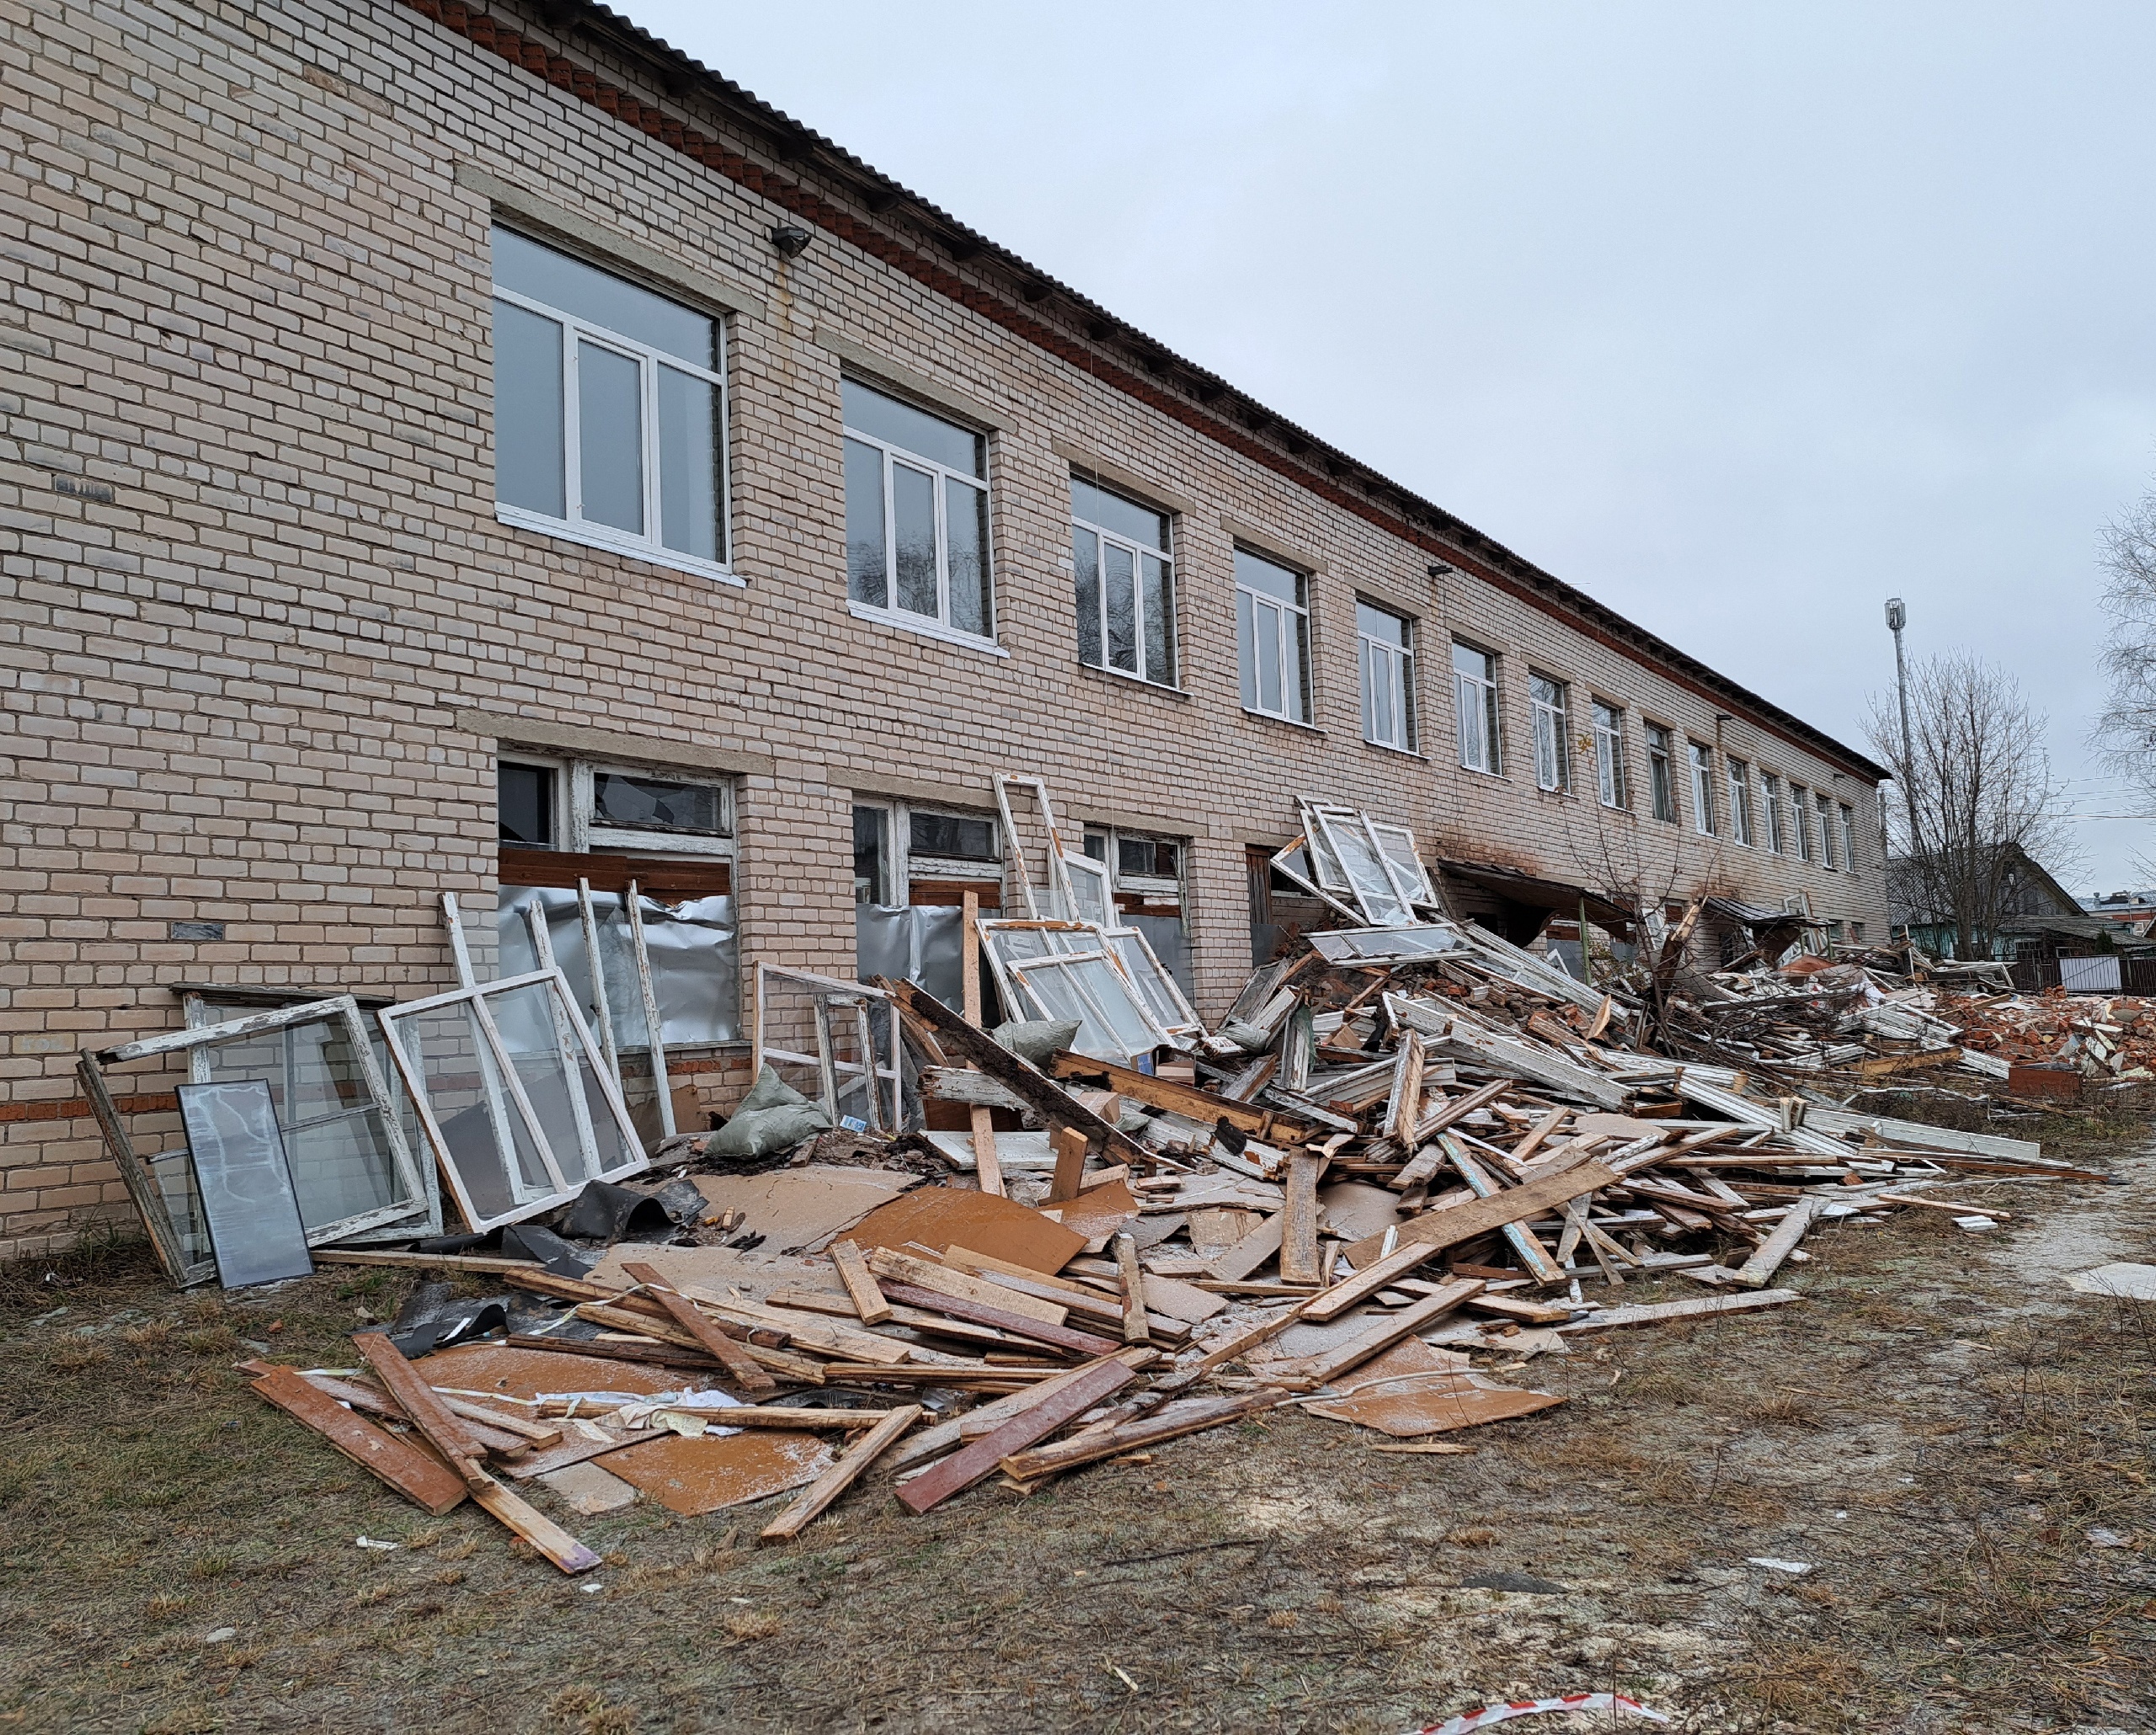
(1741,318)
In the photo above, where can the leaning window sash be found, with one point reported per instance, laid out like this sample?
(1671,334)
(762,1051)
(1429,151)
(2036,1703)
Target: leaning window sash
(895,461)
(161,1184)
(652,363)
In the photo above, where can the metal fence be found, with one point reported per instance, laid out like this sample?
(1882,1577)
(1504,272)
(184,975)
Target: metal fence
(2102,973)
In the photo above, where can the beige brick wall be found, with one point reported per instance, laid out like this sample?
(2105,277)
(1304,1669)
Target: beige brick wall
(250,571)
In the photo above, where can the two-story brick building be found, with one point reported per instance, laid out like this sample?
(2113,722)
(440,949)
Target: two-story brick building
(443,438)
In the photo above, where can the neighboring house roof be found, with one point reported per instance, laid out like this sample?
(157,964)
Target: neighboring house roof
(1017,296)
(2037,894)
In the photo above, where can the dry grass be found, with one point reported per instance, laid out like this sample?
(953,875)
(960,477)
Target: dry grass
(1304,1582)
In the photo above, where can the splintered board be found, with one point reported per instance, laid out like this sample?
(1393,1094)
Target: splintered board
(943,1217)
(1096,1212)
(697,1476)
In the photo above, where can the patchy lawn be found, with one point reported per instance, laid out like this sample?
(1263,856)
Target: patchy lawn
(1937,1431)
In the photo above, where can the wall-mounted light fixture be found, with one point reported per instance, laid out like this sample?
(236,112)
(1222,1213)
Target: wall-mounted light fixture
(791,239)
(1442,569)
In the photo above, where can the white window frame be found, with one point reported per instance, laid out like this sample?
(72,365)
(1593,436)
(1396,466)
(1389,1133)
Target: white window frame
(577,528)
(1611,786)
(890,614)
(1145,886)
(1740,800)
(1848,837)
(1139,552)
(1552,721)
(563,771)
(1282,614)
(1701,759)
(1397,664)
(1828,850)
(1479,695)
(1666,758)
(578,831)
(1800,810)
(1770,796)
(902,866)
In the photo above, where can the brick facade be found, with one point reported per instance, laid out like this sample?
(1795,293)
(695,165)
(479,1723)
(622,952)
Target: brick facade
(261,631)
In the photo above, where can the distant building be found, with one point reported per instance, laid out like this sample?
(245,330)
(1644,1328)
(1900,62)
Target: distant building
(2038,919)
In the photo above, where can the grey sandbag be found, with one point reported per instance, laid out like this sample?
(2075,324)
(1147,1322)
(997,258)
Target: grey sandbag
(772,1117)
(1246,1037)
(1038,1040)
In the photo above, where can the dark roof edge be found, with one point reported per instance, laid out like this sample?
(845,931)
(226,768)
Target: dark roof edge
(1441,533)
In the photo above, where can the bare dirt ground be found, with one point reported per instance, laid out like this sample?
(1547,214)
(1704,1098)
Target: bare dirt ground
(1937,1430)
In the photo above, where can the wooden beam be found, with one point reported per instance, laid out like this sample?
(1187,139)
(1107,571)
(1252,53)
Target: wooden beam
(987,1170)
(425,1262)
(1017,1325)
(1298,1230)
(842,1475)
(1384,1334)
(1068,1454)
(1134,1329)
(731,1355)
(535,1527)
(1656,1313)
(1767,1257)
(418,1477)
(977,1462)
(1070,1148)
(1189,1101)
(1458,1223)
(868,1302)
(443,1430)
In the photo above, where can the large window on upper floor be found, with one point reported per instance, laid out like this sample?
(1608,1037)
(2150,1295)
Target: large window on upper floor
(916,517)
(1612,787)
(1385,646)
(1273,634)
(1703,787)
(610,410)
(1662,774)
(1475,707)
(1125,567)
(1551,705)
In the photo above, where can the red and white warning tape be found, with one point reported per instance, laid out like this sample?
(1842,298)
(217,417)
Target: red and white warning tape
(1490,1714)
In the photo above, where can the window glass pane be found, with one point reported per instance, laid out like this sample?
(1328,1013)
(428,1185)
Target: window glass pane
(912,493)
(1118,584)
(1380,624)
(524,797)
(1159,612)
(1269,657)
(1474,745)
(1246,647)
(870,827)
(1086,563)
(691,482)
(528,411)
(522,265)
(1296,677)
(651,803)
(951,834)
(1268,577)
(1479,665)
(1097,846)
(609,437)
(873,413)
(965,523)
(1096,505)
(868,576)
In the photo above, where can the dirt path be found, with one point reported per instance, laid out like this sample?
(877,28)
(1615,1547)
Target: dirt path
(1935,1433)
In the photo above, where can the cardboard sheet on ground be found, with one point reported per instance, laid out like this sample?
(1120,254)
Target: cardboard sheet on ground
(2135,1282)
(798,1209)
(944,1217)
(721,1269)
(1357,1210)
(1098,1210)
(697,1476)
(1413,1389)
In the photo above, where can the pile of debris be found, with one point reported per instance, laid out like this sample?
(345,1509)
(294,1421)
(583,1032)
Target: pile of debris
(2100,1039)
(1412,1157)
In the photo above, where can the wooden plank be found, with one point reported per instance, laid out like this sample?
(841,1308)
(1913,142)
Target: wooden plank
(944,1435)
(1252,1251)
(841,1476)
(825,1335)
(535,1527)
(1463,1222)
(1767,1257)
(1095,1304)
(418,1477)
(1543,1128)
(1016,1325)
(1530,1251)
(424,1261)
(1406,1110)
(1187,1100)
(977,1462)
(1134,1328)
(1298,1221)
(1028,1466)
(1070,1147)
(733,1357)
(1458,1109)
(894,1267)
(868,1302)
(1656,1313)
(443,1430)
(988,1170)
(918,1319)
(1235,1344)
(1418,1168)
(798,1368)
(1382,1335)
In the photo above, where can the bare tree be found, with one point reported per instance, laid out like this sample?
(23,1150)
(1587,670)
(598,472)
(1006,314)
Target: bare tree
(2125,734)
(1979,783)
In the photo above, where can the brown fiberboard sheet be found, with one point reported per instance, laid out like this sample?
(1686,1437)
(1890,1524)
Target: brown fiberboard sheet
(1409,1405)
(1098,1210)
(945,1217)
(697,1476)
(798,1210)
(532,1373)
(756,1274)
